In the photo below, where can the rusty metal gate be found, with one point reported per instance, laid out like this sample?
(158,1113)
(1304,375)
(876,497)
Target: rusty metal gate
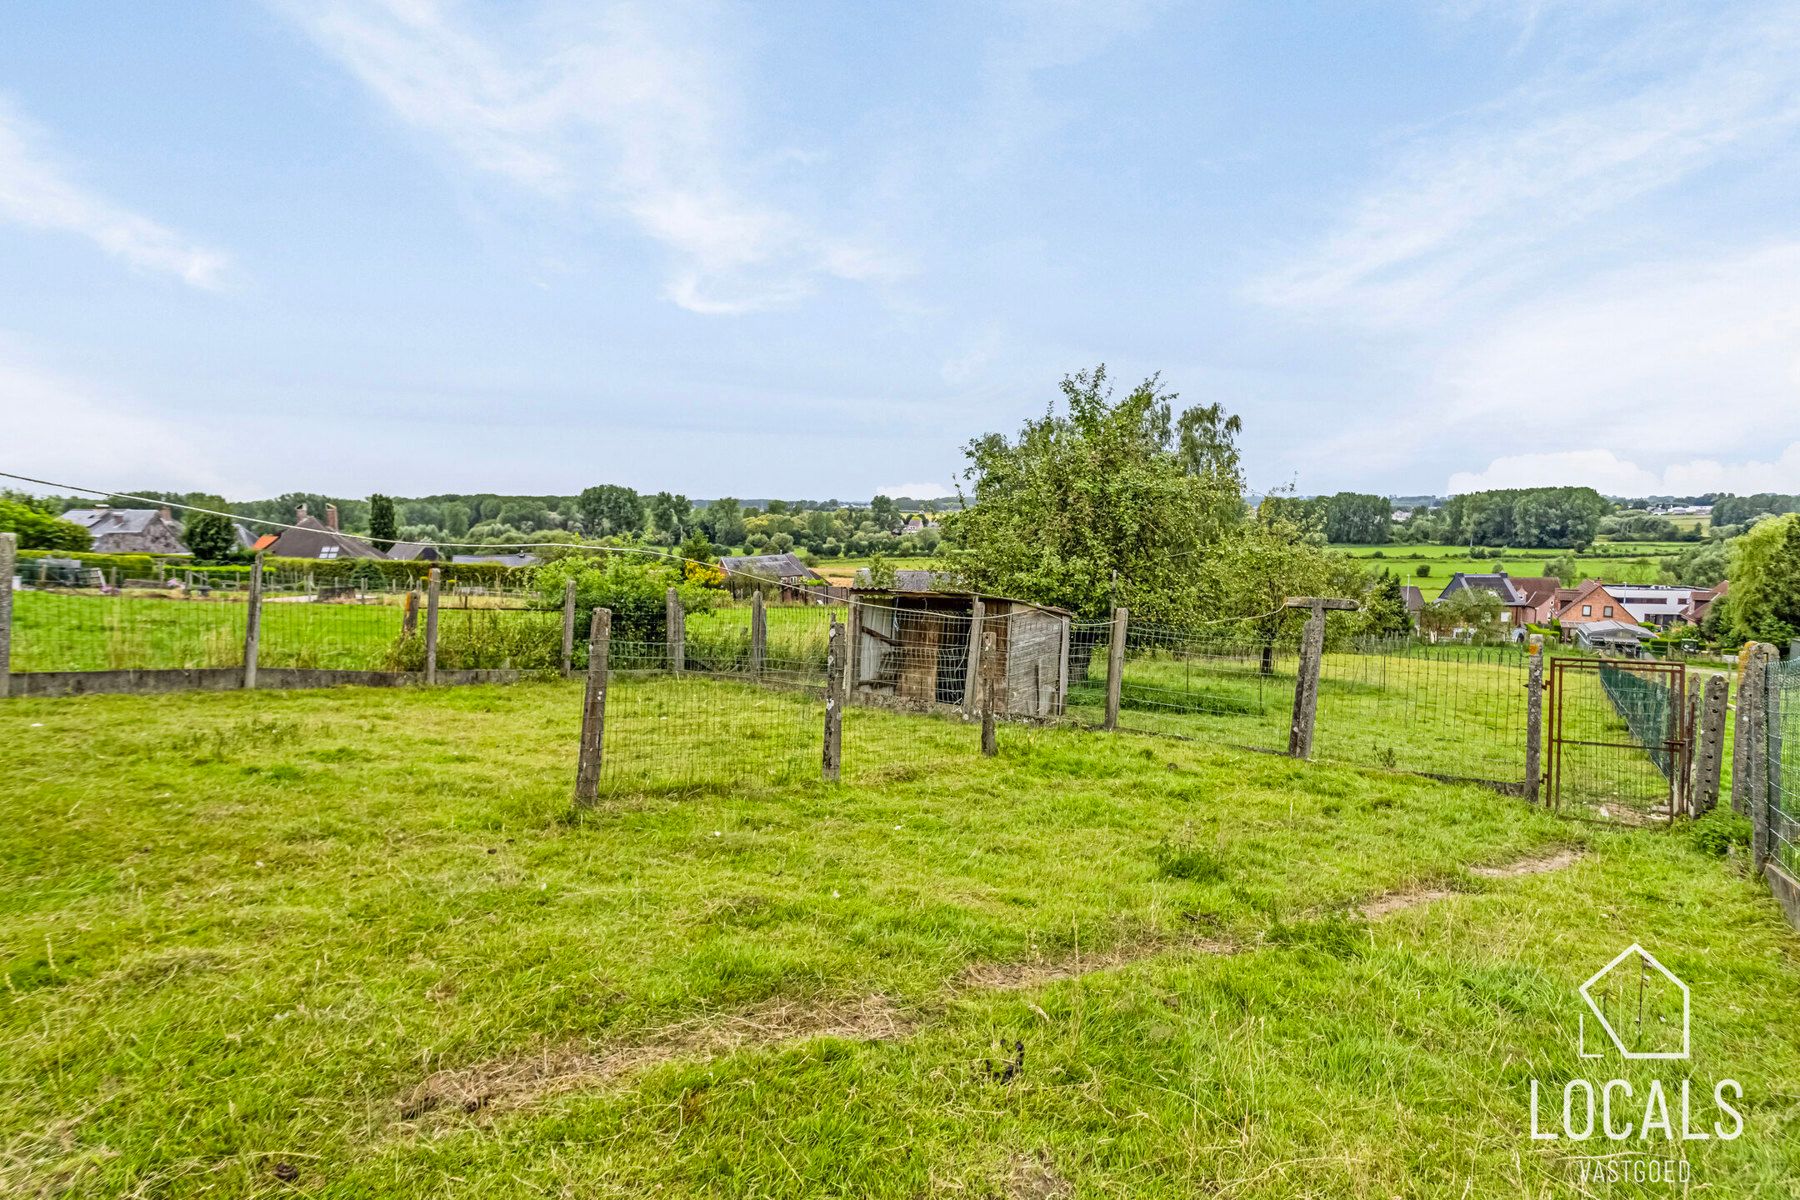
(1619,739)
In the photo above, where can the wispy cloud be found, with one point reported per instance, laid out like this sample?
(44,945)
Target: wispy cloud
(37,191)
(1608,472)
(629,112)
(1481,196)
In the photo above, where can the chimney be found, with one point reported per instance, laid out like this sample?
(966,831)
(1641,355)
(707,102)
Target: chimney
(300,513)
(331,517)
(165,514)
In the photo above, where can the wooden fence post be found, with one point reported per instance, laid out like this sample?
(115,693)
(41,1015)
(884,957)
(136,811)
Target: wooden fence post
(1710,750)
(568,646)
(433,582)
(677,633)
(972,698)
(1115,666)
(990,683)
(833,758)
(759,633)
(1534,719)
(9,552)
(593,710)
(1306,680)
(253,623)
(409,614)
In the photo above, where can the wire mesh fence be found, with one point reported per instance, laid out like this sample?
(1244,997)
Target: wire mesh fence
(66,630)
(1446,710)
(1783,725)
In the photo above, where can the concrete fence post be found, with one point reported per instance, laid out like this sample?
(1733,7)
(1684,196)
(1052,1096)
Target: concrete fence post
(1753,695)
(1740,736)
(253,623)
(1115,665)
(1710,746)
(593,710)
(568,645)
(853,649)
(990,682)
(972,699)
(9,557)
(1306,686)
(677,632)
(1534,719)
(759,633)
(433,584)
(832,760)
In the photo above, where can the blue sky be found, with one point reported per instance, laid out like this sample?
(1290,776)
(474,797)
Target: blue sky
(809,249)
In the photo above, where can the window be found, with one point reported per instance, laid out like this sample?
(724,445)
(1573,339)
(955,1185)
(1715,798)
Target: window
(1607,612)
(329,551)
(1587,610)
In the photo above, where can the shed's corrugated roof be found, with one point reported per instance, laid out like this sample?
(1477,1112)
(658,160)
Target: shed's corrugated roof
(771,566)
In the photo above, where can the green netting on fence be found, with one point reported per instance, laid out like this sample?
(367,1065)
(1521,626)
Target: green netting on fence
(1646,705)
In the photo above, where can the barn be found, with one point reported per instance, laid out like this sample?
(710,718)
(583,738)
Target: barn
(911,650)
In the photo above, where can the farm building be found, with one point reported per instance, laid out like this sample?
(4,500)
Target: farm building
(311,538)
(911,649)
(129,530)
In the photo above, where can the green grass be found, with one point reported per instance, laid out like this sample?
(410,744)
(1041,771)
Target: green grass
(239,932)
(1619,562)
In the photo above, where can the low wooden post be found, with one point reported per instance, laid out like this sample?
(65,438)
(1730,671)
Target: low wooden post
(433,583)
(1306,681)
(990,684)
(677,634)
(568,646)
(409,614)
(833,757)
(253,623)
(759,633)
(1534,719)
(972,698)
(1710,746)
(593,711)
(9,557)
(1115,666)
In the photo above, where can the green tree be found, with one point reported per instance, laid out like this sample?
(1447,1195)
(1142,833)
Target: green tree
(1564,569)
(611,508)
(209,537)
(1705,565)
(1764,600)
(1092,506)
(670,515)
(1251,569)
(883,511)
(1384,608)
(38,529)
(455,518)
(723,520)
(384,527)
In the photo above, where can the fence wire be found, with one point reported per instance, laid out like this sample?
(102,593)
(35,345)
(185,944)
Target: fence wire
(1783,717)
(1447,710)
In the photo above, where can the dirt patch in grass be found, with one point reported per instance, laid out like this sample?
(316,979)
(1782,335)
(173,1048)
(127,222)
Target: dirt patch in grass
(1011,977)
(520,1080)
(1035,1177)
(1556,860)
(1535,864)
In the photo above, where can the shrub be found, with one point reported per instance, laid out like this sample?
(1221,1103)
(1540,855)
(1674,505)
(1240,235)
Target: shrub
(1423,571)
(1718,831)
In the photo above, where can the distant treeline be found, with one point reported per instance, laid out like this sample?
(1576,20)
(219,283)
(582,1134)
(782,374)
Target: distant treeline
(1741,510)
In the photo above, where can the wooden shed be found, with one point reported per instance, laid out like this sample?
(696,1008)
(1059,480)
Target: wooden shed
(911,650)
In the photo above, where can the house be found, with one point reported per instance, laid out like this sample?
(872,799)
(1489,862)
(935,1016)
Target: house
(1592,602)
(786,569)
(911,650)
(1415,602)
(1499,583)
(1537,601)
(129,530)
(1655,604)
(1700,606)
(415,552)
(309,537)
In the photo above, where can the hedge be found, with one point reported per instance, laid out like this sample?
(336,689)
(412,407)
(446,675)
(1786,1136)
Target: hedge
(143,566)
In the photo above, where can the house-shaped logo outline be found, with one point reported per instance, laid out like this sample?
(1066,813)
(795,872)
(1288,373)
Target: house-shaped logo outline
(1619,1042)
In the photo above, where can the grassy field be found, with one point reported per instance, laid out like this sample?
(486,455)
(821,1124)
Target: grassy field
(1620,562)
(354,943)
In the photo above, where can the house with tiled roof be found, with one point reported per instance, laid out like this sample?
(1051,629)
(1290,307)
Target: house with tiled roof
(129,530)
(310,537)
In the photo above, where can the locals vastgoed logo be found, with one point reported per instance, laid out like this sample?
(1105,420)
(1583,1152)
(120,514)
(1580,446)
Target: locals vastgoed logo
(1638,1009)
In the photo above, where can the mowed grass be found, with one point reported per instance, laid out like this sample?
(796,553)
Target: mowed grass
(239,931)
(1620,562)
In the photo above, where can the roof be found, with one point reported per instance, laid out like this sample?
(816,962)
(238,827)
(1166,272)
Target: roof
(1415,599)
(769,566)
(403,551)
(1612,631)
(1534,590)
(909,580)
(130,530)
(113,520)
(309,537)
(1501,585)
(953,594)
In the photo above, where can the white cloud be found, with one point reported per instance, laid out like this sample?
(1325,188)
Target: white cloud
(628,113)
(917,491)
(1467,206)
(68,431)
(1606,472)
(37,192)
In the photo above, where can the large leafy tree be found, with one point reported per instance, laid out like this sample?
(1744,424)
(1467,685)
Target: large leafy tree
(384,527)
(1099,504)
(209,536)
(1764,600)
(1248,574)
(611,508)
(38,528)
